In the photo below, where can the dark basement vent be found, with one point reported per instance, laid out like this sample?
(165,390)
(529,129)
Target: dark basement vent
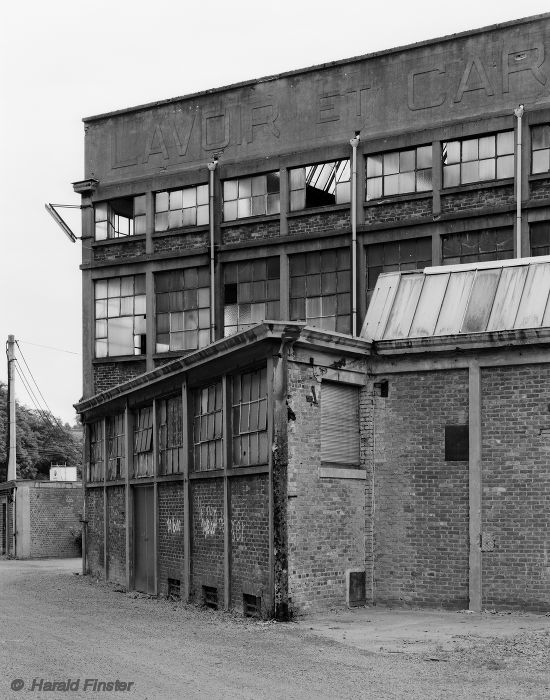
(357,588)
(252,605)
(457,443)
(174,588)
(210,597)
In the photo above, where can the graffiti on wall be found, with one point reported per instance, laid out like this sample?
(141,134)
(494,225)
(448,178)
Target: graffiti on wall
(173,525)
(211,519)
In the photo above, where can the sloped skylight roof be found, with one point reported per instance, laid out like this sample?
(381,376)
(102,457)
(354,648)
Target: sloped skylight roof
(459,299)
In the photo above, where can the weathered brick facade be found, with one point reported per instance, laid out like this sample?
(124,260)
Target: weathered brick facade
(387,212)
(109,374)
(207,537)
(94,532)
(171,552)
(116,534)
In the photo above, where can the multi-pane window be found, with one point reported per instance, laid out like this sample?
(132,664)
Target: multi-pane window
(413,254)
(119,218)
(540,148)
(120,316)
(183,309)
(478,246)
(320,185)
(251,293)
(249,418)
(320,284)
(251,196)
(116,461)
(539,234)
(339,425)
(208,428)
(143,442)
(478,159)
(180,208)
(399,172)
(95,470)
(170,412)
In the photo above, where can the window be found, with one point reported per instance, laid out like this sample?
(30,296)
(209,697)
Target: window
(540,238)
(320,284)
(120,316)
(339,425)
(183,309)
(320,185)
(477,246)
(95,471)
(180,208)
(457,443)
(116,462)
(399,172)
(478,159)
(540,149)
(251,293)
(249,418)
(251,196)
(119,218)
(412,254)
(171,435)
(208,428)
(143,442)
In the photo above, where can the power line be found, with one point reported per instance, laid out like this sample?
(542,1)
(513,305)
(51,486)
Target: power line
(49,347)
(42,414)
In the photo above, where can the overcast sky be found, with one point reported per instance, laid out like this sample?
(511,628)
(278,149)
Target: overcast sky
(62,60)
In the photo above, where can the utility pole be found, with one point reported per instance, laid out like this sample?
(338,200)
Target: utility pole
(12,470)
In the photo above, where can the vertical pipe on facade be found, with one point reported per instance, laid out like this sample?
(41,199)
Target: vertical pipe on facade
(12,463)
(212,168)
(354,142)
(519,114)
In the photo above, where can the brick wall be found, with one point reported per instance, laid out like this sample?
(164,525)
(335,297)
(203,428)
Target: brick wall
(243,233)
(318,223)
(249,539)
(126,250)
(94,542)
(516,485)
(540,189)
(170,533)
(397,211)
(116,534)
(471,200)
(175,242)
(207,537)
(108,374)
(421,502)
(326,517)
(55,514)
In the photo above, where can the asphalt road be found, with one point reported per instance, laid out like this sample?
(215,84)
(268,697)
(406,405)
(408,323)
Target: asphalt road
(56,626)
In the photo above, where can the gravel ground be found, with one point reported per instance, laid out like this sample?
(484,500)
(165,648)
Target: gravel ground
(55,625)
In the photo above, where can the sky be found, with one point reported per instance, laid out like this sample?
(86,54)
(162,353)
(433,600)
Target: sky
(63,60)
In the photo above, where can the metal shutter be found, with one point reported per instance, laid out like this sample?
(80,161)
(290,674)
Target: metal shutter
(339,424)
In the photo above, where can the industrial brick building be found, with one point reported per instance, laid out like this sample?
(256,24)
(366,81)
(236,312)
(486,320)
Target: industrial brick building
(256,439)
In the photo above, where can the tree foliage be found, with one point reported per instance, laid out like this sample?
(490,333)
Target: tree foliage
(41,440)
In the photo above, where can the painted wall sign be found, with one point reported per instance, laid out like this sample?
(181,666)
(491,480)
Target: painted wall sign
(489,72)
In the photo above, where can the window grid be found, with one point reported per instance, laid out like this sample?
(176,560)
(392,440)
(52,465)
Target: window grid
(119,218)
(478,246)
(540,149)
(116,454)
(96,466)
(120,316)
(320,284)
(320,185)
(412,254)
(183,309)
(208,428)
(181,208)
(399,172)
(143,442)
(478,159)
(251,293)
(539,234)
(251,196)
(249,418)
(171,435)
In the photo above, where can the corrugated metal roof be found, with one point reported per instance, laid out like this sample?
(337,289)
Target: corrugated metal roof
(459,299)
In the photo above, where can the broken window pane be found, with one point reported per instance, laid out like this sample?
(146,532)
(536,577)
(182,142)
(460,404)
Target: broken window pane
(256,196)
(246,291)
(249,423)
(125,314)
(478,159)
(316,185)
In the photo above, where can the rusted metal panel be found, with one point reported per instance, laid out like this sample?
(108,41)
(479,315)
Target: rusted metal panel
(429,306)
(481,301)
(404,306)
(507,298)
(455,303)
(380,306)
(534,298)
